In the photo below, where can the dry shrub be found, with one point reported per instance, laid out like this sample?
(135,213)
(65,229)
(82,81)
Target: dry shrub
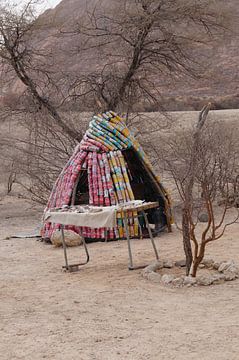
(203,162)
(35,154)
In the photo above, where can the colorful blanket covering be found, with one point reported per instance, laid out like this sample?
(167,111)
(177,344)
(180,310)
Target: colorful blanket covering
(100,153)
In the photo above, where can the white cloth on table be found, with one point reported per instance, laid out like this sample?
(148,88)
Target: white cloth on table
(105,217)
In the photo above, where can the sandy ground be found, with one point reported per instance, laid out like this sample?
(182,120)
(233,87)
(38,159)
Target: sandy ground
(106,312)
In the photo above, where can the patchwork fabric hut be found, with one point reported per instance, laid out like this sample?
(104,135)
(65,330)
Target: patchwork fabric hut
(109,167)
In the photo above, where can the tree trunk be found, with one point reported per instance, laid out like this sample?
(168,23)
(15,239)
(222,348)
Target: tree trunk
(194,268)
(189,197)
(32,87)
(186,240)
(197,260)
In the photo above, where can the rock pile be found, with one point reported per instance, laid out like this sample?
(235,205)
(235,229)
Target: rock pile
(225,271)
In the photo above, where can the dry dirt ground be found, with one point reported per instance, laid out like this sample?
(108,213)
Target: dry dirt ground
(105,312)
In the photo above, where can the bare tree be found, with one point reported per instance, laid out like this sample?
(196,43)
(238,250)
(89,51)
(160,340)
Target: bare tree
(204,165)
(45,137)
(19,54)
(148,40)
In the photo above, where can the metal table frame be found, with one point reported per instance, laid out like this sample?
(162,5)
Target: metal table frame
(140,212)
(73,267)
(126,226)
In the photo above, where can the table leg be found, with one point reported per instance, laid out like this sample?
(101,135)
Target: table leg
(125,219)
(86,251)
(150,234)
(140,228)
(73,267)
(64,246)
(106,237)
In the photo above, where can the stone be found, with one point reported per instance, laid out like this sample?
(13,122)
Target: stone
(168,264)
(233,268)
(71,238)
(218,278)
(167,279)
(216,265)
(203,217)
(208,262)
(177,282)
(204,280)
(180,263)
(227,271)
(146,273)
(225,265)
(157,265)
(231,272)
(229,276)
(147,270)
(154,277)
(189,280)
(201,266)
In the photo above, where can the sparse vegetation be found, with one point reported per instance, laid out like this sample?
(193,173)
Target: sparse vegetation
(204,164)
(150,39)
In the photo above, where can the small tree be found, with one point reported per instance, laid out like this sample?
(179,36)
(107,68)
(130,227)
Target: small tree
(204,165)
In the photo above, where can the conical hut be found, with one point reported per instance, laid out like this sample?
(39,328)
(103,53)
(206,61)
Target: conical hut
(109,167)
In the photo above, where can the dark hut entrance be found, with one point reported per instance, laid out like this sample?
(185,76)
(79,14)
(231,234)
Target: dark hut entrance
(144,188)
(142,185)
(80,195)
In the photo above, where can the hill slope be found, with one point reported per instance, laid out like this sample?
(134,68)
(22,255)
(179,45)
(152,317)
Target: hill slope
(219,82)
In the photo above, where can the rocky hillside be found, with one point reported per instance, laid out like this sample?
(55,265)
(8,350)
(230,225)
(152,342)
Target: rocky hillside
(220,79)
